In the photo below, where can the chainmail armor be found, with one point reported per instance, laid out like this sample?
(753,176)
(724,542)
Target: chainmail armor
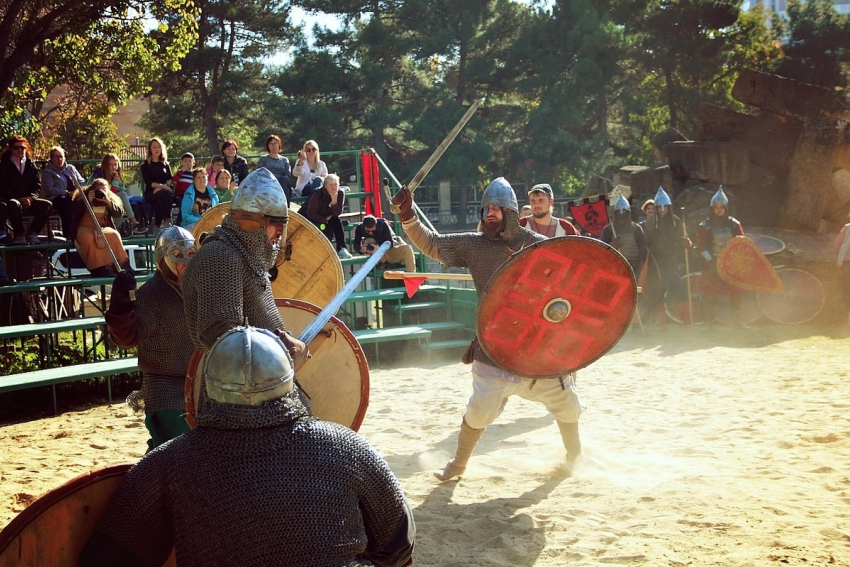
(628,244)
(238,490)
(164,347)
(483,255)
(721,229)
(228,281)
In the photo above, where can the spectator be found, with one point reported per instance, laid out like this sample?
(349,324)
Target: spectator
(158,179)
(20,190)
(235,164)
(323,210)
(4,277)
(106,206)
(525,211)
(197,199)
(183,179)
(59,180)
(309,169)
(277,164)
(373,232)
(216,165)
(110,169)
(224,187)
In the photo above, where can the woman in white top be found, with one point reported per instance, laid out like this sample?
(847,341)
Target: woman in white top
(310,170)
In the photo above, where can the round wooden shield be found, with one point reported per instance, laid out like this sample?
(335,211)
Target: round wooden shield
(54,529)
(802,301)
(309,268)
(556,306)
(767,244)
(725,314)
(335,379)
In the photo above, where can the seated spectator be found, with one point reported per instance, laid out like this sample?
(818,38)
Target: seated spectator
(309,169)
(197,199)
(156,173)
(225,188)
(59,180)
(20,190)
(525,211)
(216,165)
(184,178)
(110,169)
(235,164)
(106,206)
(277,164)
(323,210)
(373,232)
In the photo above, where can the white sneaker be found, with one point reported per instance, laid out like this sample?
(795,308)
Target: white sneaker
(343,253)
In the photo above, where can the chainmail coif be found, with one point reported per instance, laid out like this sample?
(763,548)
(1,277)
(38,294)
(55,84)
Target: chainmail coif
(259,486)
(482,254)
(227,282)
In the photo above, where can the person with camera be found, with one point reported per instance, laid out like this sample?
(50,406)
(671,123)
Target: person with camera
(373,232)
(309,169)
(106,206)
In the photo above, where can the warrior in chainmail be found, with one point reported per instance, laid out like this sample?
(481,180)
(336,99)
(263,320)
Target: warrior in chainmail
(712,236)
(499,236)
(258,482)
(228,283)
(626,236)
(156,325)
(666,239)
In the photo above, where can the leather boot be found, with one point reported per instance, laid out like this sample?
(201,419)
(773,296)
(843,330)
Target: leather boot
(467,439)
(661,316)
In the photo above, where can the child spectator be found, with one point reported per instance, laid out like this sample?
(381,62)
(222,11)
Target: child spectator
(216,165)
(197,199)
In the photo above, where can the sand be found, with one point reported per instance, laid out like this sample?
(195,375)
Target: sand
(727,447)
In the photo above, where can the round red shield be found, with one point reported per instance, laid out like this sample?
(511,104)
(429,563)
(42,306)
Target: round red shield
(556,306)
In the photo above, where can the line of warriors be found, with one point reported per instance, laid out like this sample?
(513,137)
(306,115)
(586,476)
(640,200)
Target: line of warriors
(663,235)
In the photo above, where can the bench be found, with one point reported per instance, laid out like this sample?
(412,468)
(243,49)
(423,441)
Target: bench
(377,336)
(405,307)
(52,376)
(52,328)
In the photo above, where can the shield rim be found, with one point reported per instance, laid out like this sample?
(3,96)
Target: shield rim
(529,249)
(318,239)
(363,365)
(761,298)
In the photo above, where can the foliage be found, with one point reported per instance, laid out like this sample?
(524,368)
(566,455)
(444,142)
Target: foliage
(818,44)
(222,78)
(103,48)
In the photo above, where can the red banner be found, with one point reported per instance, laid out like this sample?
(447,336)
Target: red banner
(590,215)
(371,183)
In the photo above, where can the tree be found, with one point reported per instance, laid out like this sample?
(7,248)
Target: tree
(222,80)
(818,44)
(104,47)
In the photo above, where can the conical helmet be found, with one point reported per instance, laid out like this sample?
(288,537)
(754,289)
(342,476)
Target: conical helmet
(248,366)
(622,204)
(662,199)
(260,192)
(720,198)
(501,194)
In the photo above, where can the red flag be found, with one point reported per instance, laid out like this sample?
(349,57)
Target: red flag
(412,285)
(371,183)
(590,214)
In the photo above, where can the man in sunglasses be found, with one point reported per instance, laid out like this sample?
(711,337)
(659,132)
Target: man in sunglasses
(228,283)
(20,188)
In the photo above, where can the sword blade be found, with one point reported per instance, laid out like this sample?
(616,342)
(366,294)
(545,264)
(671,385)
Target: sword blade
(441,149)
